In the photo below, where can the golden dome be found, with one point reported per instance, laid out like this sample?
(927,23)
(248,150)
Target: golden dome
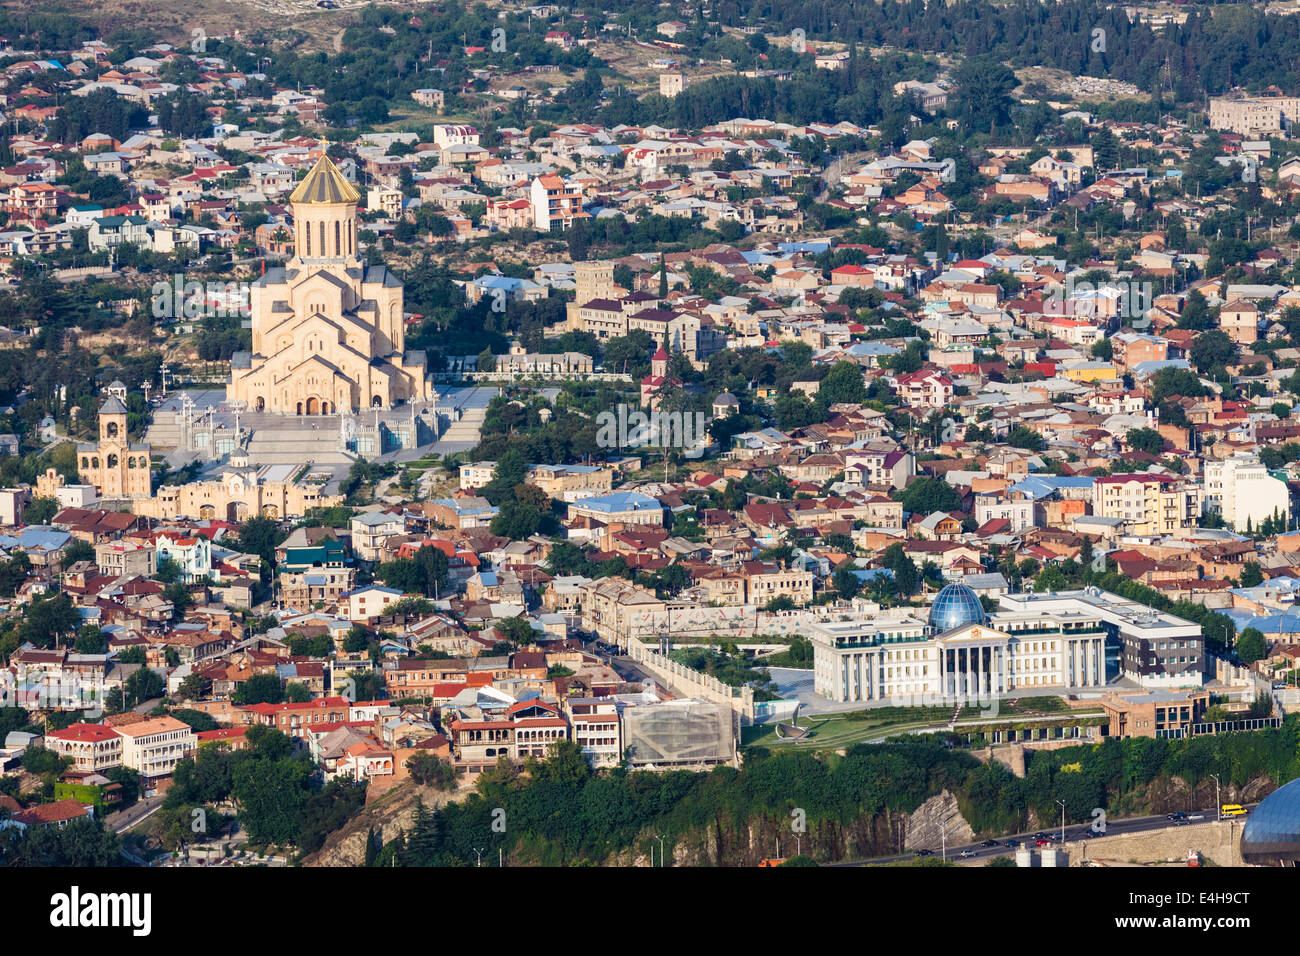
(325,185)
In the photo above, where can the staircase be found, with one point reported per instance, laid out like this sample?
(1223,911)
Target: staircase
(165,430)
(297,442)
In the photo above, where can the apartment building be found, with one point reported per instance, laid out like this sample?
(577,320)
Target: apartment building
(33,201)
(370,531)
(92,747)
(597,729)
(767,580)
(1244,493)
(571,482)
(294,720)
(555,204)
(1148,504)
(154,747)
(302,590)
(117,558)
(1253,116)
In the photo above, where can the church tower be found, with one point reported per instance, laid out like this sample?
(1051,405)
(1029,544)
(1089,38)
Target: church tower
(116,466)
(324,207)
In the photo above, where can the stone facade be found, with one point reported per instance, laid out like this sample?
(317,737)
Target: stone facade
(117,466)
(328,330)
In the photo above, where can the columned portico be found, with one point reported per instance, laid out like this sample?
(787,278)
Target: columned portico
(972,670)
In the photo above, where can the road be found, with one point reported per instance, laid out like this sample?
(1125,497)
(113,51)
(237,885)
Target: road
(1073,832)
(835,171)
(123,820)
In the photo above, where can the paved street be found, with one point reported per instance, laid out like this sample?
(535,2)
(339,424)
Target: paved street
(1073,833)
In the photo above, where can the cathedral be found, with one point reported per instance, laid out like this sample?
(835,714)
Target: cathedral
(328,335)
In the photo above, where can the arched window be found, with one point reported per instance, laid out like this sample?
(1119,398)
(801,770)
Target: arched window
(94,463)
(85,462)
(111,429)
(112,461)
(306,228)
(323,250)
(338,238)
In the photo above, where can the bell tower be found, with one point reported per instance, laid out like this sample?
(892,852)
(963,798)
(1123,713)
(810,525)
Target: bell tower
(112,421)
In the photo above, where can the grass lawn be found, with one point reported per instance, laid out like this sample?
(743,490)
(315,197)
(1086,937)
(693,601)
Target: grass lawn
(833,731)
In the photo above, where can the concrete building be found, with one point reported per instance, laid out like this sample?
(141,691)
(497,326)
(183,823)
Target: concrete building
(1154,713)
(1243,492)
(92,747)
(1148,504)
(555,204)
(1253,115)
(371,530)
(117,558)
(959,653)
(153,747)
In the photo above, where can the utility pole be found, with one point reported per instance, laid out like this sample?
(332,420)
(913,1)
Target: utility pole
(1218,807)
(1062,805)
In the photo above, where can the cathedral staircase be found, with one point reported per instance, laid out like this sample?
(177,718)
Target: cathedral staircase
(298,441)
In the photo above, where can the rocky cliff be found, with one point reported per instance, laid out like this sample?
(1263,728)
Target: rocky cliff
(389,815)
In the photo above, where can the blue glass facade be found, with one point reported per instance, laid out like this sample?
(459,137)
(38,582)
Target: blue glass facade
(1272,833)
(955,606)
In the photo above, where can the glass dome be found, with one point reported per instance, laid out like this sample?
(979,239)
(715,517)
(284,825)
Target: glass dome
(1272,833)
(956,605)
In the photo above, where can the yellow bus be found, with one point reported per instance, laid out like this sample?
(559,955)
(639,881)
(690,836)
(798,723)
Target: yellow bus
(1232,810)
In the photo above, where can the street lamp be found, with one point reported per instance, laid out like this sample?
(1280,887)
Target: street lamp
(661,848)
(1218,807)
(479,853)
(943,831)
(1061,803)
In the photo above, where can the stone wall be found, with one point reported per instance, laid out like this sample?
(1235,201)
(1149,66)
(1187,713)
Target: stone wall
(1217,842)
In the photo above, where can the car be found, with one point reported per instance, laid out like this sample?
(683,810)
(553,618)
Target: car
(1176,815)
(1042,843)
(966,853)
(1197,816)
(925,853)
(1088,834)
(1012,844)
(989,843)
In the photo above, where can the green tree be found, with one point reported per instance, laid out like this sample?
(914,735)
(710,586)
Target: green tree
(40,510)
(260,536)
(1146,439)
(928,495)
(259,689)
(1251,646)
